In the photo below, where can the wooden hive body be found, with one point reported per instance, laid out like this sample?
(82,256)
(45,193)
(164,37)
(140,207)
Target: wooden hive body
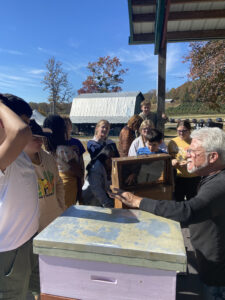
(156,169)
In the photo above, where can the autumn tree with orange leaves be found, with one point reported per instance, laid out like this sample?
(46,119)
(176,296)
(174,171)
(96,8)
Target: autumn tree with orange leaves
(207,69)
(106,76)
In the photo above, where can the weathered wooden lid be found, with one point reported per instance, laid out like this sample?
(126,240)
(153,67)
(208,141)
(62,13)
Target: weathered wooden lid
(122,236)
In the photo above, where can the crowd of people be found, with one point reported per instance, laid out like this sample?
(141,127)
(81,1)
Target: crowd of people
(42,173)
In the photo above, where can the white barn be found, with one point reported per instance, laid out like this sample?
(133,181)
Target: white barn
(117,108)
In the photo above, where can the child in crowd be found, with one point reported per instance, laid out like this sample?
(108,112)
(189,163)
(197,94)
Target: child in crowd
(153,141)
(140,141)
(100,139)
(98,180)
(152,171)
(50,185)
(79,149)
(147,114)
(66,158)
(186,184)
(19,209)
(50,189)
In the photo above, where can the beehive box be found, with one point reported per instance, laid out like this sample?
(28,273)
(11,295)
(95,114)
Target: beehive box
(99,253)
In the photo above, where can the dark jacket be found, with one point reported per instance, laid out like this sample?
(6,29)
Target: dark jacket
(150,116)
(96,185)
(95,147)
(205,215)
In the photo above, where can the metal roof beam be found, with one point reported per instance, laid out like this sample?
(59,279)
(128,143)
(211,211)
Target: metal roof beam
(139,18)
(143,2)
(201,14)
(192,1)
(153,2)
(185,15)
(145,38)
(195,35)
(149,38)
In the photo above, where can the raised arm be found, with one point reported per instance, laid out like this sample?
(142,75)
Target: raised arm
(14,135)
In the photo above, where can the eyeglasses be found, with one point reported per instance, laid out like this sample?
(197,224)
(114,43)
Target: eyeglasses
(145,129)
(189,151)
(182,131)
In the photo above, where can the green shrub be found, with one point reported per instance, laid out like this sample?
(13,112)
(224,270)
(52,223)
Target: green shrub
(194,108)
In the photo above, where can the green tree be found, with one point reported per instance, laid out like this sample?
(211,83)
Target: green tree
(105,76)
(186,97)
(56,82)
(151,96)
(207,69)
(172,94)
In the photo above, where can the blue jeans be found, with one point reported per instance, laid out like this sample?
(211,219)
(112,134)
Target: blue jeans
(214,292)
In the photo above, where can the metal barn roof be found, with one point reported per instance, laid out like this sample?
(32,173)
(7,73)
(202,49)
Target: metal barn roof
(154,21)
(114,107)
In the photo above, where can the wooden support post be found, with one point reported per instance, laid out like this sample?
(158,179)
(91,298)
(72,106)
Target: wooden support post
(161,87)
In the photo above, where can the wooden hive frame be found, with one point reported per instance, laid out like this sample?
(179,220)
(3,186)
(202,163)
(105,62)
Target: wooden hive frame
(159,189)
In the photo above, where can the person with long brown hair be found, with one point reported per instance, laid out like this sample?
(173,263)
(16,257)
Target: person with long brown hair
(127,135)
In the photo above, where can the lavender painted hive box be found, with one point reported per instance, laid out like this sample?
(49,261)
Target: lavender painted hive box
(98,253)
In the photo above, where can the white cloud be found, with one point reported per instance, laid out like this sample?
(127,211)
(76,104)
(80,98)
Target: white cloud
(145,57)
(47,51)
(10,81)
(78,68)
(140,55)
(5,84)
(133,56)
(173,57)
(36,71)
(8,51)
(13,77)
(73,43)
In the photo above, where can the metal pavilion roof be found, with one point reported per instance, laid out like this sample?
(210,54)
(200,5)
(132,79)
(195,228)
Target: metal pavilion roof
(155,21)
(114,107)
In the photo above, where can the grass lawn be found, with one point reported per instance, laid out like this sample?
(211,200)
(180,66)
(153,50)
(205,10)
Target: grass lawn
(199,116)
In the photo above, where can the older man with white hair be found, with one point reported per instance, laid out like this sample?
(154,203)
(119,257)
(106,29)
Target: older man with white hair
(204,213)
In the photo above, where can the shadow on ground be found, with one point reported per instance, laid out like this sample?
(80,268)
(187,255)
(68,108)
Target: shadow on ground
(189,286)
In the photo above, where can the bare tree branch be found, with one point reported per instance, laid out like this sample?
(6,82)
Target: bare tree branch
(56,82)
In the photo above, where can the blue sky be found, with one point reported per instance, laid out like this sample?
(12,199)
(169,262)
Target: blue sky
(75,32)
